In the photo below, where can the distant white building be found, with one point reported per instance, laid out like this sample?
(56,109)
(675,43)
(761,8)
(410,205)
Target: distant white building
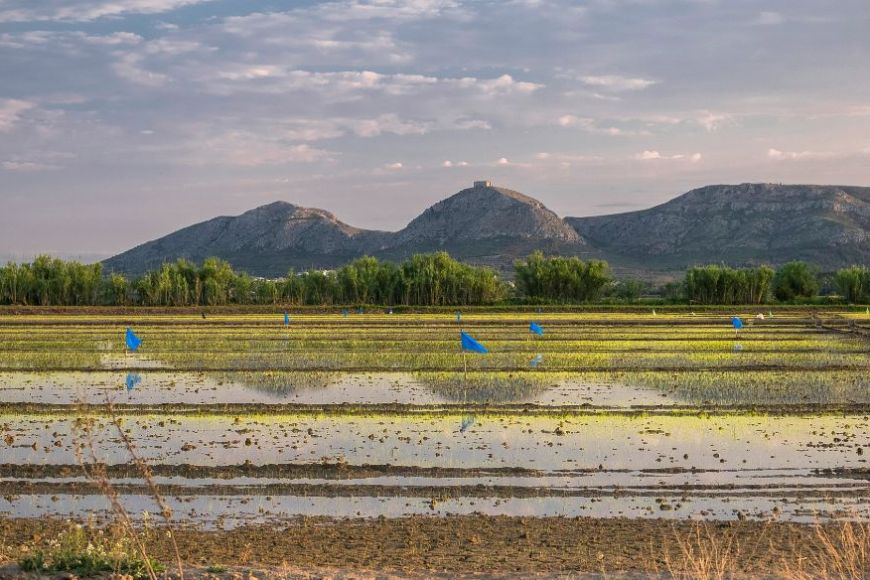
(482,184)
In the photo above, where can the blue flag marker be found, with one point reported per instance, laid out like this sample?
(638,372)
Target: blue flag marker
(467,422)
(471,345)
(344,312)
(539,358)
(133,379)
(738,324)
(536,329)
(286,319)
(132,340)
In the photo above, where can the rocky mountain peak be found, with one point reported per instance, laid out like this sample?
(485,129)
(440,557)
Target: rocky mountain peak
(485,212)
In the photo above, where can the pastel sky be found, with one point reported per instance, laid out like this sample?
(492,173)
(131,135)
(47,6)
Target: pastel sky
(122,120)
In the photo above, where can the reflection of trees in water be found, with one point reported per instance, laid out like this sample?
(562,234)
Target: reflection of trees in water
(280,384)
(749,387)
(485,388)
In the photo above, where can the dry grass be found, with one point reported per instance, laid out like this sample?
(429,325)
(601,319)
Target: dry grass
(709,551)
(842,551)
(713,551)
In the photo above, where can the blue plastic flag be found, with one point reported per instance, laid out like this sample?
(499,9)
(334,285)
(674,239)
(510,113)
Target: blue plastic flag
(344,312)
(536,329)
(132,340)
(539,358)
(133,379)
(467,422)
(286,319)
(360,310)
(738,324)
(470,344)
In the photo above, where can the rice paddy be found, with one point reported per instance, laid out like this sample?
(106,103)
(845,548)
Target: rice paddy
(245,420)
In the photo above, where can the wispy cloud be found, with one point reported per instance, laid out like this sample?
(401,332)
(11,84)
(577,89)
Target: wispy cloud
(11,111)
(779,155)
(27,166)
(594,126)
(617,83)
(84,10)
(653,155)
(769,18)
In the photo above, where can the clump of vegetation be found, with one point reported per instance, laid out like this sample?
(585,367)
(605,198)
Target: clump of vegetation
(723,285)
(795,280)
(86,551)
(560,279)
(854,284)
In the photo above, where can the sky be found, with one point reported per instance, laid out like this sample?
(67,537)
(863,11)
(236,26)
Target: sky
(123,120)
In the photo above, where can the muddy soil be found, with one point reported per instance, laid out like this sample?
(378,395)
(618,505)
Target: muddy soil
(466,545)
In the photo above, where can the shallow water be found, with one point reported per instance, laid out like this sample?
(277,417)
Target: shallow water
(228,511)
(158,387)
(537,442)
(599,389)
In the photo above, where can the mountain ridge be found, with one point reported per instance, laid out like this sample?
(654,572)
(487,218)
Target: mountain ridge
(742,224)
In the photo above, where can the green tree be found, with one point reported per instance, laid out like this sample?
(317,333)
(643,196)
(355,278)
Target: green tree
(795,280)
(853,283)
(560,279)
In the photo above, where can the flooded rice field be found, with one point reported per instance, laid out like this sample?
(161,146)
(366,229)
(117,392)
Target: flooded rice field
(243,419)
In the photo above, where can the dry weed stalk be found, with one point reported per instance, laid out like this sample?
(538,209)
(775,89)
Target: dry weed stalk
(844,552)
(145,471)
(709,551)
(96,472)
(99,475)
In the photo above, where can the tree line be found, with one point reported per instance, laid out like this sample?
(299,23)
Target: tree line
(422,280)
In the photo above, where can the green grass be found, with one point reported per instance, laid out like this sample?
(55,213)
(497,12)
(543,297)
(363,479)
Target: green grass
(87,552)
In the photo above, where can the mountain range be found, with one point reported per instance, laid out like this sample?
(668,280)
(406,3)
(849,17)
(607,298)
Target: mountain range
(739,225)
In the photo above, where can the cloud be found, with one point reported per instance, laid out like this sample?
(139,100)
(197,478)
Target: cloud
(713,121)
(129,67)
(592,126)
(769,19)
(617,83)
(387,124)
(574,121)
(653,155)
(27,166)
(503,161)
(84,10)
(11,111)
(449,163)
(354,10)
(566,160)
(778,155)
(251,150)
(353,84)
(395,166)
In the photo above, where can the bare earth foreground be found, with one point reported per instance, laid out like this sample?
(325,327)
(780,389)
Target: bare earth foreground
(629,443)
(476,545)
